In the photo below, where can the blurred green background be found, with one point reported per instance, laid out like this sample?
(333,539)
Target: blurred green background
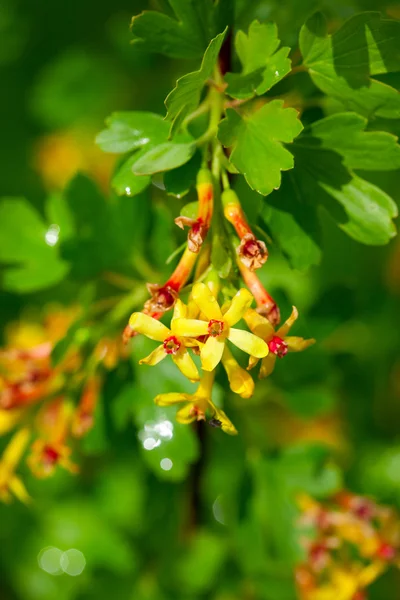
(190,514)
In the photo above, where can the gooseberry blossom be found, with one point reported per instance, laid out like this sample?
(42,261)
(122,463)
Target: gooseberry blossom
(279,343)
(172,344)
(195,406)
(218,327)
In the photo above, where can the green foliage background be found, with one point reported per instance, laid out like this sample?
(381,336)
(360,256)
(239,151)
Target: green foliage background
(219,524)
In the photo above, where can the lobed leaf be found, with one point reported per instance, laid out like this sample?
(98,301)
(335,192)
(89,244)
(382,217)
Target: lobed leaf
(263,63)
(256,141)
(363,211)
(342,64)
(345,133)
(187,36)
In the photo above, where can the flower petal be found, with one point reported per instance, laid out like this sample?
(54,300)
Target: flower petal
(211,353)
(297,344)
(180,310)
(248,342)
(189,327)
(192,309)
(258,324)
(15,449)
(240,380)
(206,301)
(186,414)
(239,305)
(150,327)
(185,364)
(155,357)
(226,425)
(171,398)
(253,361)
(284,330)
(267,365)
(18,488)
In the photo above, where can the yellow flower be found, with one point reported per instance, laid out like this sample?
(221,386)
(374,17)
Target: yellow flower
(9,482)
(51,450)
(47,455)
(219,326)
(240,380)
(171,345)
(197,404)
(279,343)
(344,583)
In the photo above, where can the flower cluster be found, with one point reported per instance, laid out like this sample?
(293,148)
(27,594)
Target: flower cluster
(349,541)
(208,328)
(48,403)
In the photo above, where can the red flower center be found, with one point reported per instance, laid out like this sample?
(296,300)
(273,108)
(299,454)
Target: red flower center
(278,346)
(165,299)
(215,328)
(386,551)
(171,345)
(50,455)
(251,248)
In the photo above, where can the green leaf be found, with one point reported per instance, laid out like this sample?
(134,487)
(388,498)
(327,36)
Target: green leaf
(105,232)
(185,97)
(160,435)
(58,213)
(179,181)
(199,566)
(363,211)
(293,224)
(190,210)
(29,246)
(263,64)
(164,158)
(342,64)
(125,182)
(221,259)
(186,37)
(256,141)
(128,131)
(344,133)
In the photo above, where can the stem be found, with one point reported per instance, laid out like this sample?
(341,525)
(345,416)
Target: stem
(182,272)
(215,100)
(201,110)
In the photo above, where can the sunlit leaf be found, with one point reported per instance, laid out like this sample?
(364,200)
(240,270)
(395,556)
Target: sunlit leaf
(262,62)
(256,141)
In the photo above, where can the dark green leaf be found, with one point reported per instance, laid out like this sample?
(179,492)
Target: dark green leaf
(128,131)
(342,64)
(344,133)
(364,211)
(187,37)
(179,181)
(263,64)
(105,232)
(185,97)
(293,223)
(256,139)
(30,246)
